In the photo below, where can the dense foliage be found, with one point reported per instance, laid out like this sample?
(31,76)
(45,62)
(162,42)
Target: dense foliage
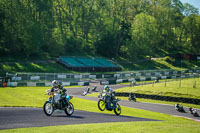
(109,28)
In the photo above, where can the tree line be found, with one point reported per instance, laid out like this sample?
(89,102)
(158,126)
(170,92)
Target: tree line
(111,28)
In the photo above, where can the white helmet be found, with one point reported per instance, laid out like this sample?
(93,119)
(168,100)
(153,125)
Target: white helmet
(54,83)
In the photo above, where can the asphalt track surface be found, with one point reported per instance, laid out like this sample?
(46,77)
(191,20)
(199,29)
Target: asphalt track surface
(11,118)
(34,117)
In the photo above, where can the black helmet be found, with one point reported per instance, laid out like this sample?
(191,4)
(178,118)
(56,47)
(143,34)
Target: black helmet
(59,84)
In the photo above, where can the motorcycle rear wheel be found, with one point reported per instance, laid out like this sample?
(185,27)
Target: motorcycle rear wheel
(48,108)
(129,99)
(69,109)
(101,105)
(117,110)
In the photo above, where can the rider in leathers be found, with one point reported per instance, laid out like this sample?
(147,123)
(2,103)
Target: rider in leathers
(58,85)
(109,92)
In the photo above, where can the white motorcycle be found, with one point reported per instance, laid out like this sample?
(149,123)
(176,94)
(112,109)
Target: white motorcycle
(58,101)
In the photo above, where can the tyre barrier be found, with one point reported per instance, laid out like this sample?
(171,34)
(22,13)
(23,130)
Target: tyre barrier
(162,98)
(15,84)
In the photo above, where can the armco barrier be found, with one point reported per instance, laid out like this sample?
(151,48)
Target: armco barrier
(163,98)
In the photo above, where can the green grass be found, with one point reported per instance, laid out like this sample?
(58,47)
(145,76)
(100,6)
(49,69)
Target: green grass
(158,63)
(179,88)
(50,66)
(33,66)
(21,96)
(177,126)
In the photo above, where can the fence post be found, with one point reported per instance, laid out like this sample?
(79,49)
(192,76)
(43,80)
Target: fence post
(27,75)
(194,86)
(45,78)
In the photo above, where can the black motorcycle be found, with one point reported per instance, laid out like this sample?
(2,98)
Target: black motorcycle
(57,101)
(179,108)
(132,97)
(193,112)
(109,102)
(95,88)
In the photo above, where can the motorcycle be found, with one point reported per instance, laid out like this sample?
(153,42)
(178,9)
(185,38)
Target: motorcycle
(86,91)
(132,97)
(56,101)
(109,103)
(94,89)
(193,112)
(179,108)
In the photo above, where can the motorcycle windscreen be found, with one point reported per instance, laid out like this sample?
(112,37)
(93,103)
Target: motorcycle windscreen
(57,98)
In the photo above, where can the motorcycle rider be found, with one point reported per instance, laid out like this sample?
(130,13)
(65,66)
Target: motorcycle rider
(191,110)
(110,93)
(54,85)
(132,97)
(179,107)
(107,89)
(58,85)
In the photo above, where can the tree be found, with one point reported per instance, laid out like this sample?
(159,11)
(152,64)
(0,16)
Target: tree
(192,34)
(189,9)
(130,28)
(107,45)
(144,35)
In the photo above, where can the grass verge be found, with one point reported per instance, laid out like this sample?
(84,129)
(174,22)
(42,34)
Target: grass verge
(188,88)
(177,126)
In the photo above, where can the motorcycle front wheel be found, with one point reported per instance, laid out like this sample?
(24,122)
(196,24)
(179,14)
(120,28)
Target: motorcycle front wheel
(117,110)
(101,105)
(48,108)
(69,109)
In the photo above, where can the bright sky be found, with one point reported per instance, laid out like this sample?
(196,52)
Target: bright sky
(195,3)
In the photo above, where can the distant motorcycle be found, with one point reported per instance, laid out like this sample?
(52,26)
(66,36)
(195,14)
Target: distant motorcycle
(132,97)
(58,101)
(193,112)
(94,89)
(108,102)
(86,91)
(179,108)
